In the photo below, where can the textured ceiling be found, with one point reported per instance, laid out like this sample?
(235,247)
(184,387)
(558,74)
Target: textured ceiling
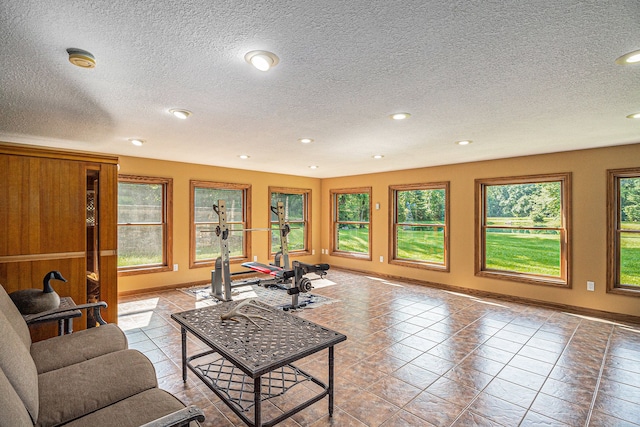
(515,77)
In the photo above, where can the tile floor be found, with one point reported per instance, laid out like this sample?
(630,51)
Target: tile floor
(418,356)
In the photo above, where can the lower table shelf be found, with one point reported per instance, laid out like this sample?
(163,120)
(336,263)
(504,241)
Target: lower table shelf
(221,375)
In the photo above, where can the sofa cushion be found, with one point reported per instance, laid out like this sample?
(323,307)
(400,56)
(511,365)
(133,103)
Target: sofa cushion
(133,411)
(58,352)
(73,391)
(11,407)
(18,366)
(15,318)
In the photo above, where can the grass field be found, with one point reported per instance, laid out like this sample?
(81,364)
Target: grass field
(522,252)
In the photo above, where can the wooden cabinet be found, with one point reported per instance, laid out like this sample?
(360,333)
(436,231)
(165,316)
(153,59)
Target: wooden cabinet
(58,211)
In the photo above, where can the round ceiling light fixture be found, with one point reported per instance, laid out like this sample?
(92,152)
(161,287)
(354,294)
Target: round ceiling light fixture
(243,156)
(137,142)
(400,116)
(634,116)
(261,59)
(464,142)
(181,114)
(629,58)
(313,167)
(306,140)
(81,58)
(377,156)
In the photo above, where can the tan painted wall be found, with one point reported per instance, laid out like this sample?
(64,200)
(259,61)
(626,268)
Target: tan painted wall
(182,173)
(588,170)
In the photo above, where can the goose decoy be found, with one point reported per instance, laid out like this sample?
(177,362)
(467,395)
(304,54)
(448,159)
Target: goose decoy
(30,301)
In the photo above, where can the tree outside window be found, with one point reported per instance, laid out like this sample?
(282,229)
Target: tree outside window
(420,225)
(623,225)
(523,229)
(144,224)
(351,224)
(296,209)
(205,244)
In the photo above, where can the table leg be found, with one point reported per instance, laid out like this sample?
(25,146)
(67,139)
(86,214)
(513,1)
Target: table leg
(331,381)
(60,327)
(68,323)
(183,331)
(257,395)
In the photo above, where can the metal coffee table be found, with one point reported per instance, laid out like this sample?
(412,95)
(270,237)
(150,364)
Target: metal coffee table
(249,364)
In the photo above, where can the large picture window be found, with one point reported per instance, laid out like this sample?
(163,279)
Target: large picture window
(351,212)
(623,225)
(296,212)
(523,228)
(205,245)
(144,224)
(420,225)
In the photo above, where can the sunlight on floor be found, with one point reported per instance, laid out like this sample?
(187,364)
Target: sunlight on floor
(136,314)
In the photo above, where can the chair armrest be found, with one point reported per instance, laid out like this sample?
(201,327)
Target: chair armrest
(179,418)
(95,306)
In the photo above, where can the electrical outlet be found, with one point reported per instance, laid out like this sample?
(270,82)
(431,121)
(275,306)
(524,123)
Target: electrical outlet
(313,251)
(175,267)
(381,258)
(255,258)
(591,286)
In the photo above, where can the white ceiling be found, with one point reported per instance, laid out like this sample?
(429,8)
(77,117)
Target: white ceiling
(516,77)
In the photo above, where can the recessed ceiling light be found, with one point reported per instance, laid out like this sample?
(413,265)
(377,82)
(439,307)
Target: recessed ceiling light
(181,114)
(313,167)
(137,142)
(634,116)
(464,142)
(261,59)
(378,156)
(629,58)
(306,140)
(81,58)
(400,116)
(243,156)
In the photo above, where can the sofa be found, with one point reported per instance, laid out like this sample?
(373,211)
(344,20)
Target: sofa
(88,378)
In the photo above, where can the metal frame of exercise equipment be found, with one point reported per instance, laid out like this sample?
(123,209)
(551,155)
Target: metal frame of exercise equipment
(221,283)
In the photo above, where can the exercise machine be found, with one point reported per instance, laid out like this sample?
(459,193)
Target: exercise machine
(281,275)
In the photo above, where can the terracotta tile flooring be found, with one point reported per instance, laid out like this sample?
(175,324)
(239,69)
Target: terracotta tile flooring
(418,356)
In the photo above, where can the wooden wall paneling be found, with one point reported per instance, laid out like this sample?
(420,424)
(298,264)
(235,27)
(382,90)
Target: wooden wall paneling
(43,221)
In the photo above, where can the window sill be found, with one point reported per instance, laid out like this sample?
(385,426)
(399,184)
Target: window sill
(212,263)
(626,291)
(420,264)
(143,270)
(524,278)
(353,255)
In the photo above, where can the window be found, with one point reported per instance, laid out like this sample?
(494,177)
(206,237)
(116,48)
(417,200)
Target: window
(623,227)
(204,244)
(297,203)
(420,225)
(145,210)
(523,229)
(351,227)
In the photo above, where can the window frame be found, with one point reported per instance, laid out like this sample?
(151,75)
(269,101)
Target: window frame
(564,281)
(614,229)
(334,193)
(306,193)
(393,226)
(246,223)
(167,223)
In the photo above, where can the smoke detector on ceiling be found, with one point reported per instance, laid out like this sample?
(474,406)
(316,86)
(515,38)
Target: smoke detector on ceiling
(81,58)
